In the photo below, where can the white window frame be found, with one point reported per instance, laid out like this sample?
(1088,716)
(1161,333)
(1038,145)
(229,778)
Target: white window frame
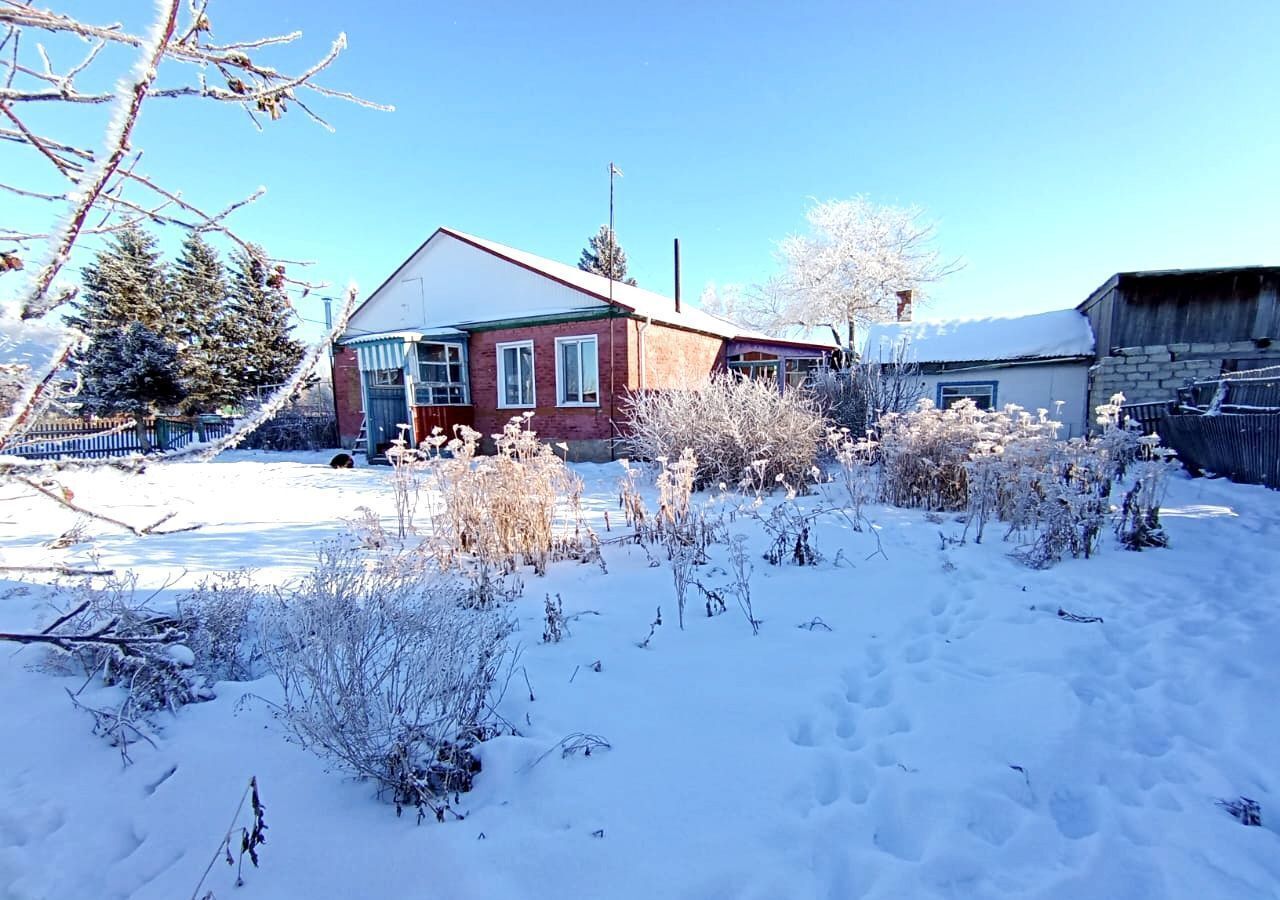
(578,339)
(424,389)
(819,364)
(501,347)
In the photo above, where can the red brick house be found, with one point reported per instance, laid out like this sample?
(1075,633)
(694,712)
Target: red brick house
(468,331)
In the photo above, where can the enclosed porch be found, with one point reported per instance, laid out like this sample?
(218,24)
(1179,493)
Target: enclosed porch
(411,379)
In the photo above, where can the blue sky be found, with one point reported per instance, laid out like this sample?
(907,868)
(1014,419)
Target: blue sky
(1054,143)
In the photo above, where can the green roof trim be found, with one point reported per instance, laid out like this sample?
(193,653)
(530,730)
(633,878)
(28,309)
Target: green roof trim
(584,315)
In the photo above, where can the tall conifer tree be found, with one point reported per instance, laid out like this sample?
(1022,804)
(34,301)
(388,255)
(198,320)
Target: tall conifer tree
(124,284)
(265,352)
(132,371)
(200,309)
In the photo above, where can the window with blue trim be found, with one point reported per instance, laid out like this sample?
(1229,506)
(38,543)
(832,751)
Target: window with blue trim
(982,393)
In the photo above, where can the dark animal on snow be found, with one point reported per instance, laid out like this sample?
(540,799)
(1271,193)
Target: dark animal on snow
(342,461)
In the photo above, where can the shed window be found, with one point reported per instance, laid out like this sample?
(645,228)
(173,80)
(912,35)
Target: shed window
(442,376)
(982,393)
(577,371)
(515,375)
(754,365)
(799,369)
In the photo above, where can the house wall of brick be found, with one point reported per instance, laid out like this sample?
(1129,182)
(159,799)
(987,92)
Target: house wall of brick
(588,431)
(671,357)
(346,393)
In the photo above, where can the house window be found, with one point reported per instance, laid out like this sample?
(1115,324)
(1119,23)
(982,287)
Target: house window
(515,375)
(577,372)
(982,393)
(442,377)
(385,378)
(799,369)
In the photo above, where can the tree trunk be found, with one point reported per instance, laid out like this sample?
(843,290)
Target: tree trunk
(140,428)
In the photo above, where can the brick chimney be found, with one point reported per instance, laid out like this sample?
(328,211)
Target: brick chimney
(904,306)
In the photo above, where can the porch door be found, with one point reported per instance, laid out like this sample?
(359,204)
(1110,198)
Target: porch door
(387,410)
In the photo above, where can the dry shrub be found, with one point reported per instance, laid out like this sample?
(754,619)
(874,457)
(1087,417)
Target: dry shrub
(858,397)
(385,671)
(1008,466)
(730,424)
(217,618)
(521,505)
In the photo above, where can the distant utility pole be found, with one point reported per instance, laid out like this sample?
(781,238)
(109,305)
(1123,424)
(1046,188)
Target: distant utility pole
(613,170)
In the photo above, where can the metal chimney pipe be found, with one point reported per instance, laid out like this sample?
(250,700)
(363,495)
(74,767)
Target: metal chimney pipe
(677,252)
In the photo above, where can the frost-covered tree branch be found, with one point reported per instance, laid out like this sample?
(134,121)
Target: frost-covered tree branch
(83,188)
(97,181)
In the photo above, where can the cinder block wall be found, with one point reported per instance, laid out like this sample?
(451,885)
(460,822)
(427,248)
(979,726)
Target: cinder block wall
(1154,373)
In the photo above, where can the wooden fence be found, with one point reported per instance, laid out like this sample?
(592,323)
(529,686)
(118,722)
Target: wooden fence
(1242,446)
(1147,415)
(98,438)
(1247,391)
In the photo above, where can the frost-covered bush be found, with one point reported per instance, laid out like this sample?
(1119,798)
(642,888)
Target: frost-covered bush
(385,672)
(521,505)
(1008,466)
(729,423)
(217,619)
(1138,524)
(855,457)
(858,397)
(12,379)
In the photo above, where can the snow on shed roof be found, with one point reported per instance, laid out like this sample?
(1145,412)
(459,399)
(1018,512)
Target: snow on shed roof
(1049,335)
(641,302)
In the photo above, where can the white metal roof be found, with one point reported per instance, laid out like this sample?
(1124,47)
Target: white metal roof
(643,302)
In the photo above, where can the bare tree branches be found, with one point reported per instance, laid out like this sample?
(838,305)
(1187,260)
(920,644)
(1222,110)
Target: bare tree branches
(97,182)
(63,500)
(103,190)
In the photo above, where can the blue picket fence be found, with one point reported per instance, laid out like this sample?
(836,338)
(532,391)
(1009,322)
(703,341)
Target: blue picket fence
(99,438)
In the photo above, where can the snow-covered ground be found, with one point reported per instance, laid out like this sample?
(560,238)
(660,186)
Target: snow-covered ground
(950,736)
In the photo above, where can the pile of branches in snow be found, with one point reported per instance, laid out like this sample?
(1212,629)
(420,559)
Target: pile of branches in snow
(294,430)
(386,672)
(114,637)
(732,425)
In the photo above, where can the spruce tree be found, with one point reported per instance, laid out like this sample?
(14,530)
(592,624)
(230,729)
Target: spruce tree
(603,256)
(125,284)
(265,354)
(205,330)
(132,371)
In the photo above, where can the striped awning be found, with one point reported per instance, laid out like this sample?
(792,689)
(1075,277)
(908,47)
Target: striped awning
(377,355)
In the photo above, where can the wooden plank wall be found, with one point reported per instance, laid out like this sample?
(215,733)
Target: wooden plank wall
(1187,309)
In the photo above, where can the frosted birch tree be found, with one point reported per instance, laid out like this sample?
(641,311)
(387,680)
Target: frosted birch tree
(56,69)
(849,268)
